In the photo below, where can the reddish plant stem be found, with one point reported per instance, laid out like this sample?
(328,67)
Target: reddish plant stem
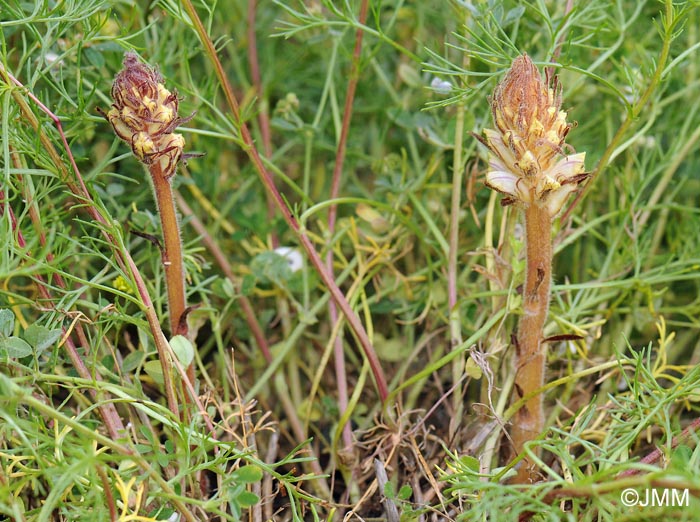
(264,114)
(265,177)
(172,261)
(656,455)
(109,497)
(172,258)
(338,354)
(530,351)
(77,186)
(107,411)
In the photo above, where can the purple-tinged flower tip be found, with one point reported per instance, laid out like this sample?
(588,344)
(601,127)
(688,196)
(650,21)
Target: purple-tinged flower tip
(145,115)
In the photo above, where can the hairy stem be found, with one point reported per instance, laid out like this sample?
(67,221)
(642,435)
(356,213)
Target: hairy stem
(530,353)
(172,258)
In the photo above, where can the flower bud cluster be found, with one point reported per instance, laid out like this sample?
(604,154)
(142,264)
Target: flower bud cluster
(145,114)
(527,162)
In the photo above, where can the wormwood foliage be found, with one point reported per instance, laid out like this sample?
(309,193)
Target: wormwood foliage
(286,422)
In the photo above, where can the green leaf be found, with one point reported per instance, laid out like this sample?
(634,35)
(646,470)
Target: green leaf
(680,457)
(162,458)
(247,499)
(154,370)
(144,339)
(405,492)
(7,322)
(147,434)
(389,490)
(227,287)
(143,449)
(472,369)
(410,75)
(392,350)
(132,361)
(471,463)
(248,474)
(270,267)
(248,284)
(15,347)
(40,337)
(161,513)
(183,348)
(115,189)
(94,57)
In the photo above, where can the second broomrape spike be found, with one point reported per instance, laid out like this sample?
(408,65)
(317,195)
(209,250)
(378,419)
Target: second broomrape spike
(527,164)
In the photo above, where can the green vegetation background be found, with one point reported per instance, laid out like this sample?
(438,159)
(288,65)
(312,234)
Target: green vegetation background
(627,262)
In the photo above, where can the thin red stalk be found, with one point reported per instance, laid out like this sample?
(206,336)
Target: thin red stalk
(78,188)
(292,222)
(264,114)
(338,353)
(530,352)
(109,497)
(158,338)
(107,411)
(658,453)
(223,263)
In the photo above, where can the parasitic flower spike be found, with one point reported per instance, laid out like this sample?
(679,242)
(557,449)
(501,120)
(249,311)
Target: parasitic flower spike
(527,162)
(529,165)
(145,115)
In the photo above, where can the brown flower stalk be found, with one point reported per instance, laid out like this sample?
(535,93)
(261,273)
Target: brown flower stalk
(528,165)
(145,115)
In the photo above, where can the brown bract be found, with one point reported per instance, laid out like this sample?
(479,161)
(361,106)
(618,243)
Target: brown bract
(527,162)
(145,114)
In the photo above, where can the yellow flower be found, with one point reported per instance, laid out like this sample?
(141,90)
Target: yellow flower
(527,162)
(121,284)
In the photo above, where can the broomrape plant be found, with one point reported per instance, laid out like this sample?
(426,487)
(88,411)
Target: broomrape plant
(324,135)
(145,115)
(529,165)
